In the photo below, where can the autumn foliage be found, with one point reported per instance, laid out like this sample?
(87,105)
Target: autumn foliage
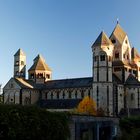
(87,106)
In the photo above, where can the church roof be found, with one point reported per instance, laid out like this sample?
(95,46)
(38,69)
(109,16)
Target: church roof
(69,83)
(39,64)
(131,80)
(56,84)
(19,52)
(24,83)
(102,39)
(120,63)
(118,33)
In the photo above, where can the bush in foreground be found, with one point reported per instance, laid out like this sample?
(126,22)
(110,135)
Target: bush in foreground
(28,122)
(130,128)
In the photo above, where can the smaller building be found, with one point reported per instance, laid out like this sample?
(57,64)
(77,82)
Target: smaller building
(93,128)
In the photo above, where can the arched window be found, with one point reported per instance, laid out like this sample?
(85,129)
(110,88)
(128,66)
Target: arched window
(51,95)
(102,57)
(63,95)
(57,95)
(82,94)
(132,97)
(22,62)
(116,55)
(89,93)
(75,94)
(32,75)
(27,101)
(69,95)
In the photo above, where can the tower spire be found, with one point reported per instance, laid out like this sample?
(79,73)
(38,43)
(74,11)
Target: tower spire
(20,64)
(117,20)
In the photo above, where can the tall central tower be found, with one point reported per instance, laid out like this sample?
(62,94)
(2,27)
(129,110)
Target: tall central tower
(102,73)
(20,64)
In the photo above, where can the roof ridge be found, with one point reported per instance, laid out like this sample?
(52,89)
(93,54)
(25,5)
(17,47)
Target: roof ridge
(102,39)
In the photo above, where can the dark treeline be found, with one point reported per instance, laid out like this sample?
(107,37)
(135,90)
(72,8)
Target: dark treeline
(30,123)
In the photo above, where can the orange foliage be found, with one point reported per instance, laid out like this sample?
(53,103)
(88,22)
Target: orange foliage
(87,106)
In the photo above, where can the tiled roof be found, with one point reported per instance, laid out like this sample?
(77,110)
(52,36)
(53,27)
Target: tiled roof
(19,52)
(102,39)
(56,84)
(39,64)
(69,83)
(118,33)
(24,83)
(120,63)
(131,80)
(59,103)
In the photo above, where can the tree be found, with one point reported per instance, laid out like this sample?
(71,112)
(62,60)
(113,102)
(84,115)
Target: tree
(87,106)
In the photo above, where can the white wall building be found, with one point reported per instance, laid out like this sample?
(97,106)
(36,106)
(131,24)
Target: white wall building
(114,84)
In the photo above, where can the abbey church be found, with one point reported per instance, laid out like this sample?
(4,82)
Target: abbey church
(114,85)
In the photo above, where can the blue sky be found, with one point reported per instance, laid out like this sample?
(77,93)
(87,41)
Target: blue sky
(62,31)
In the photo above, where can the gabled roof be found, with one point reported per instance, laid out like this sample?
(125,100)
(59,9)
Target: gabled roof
(23,83)
(118,33)
(39,64)
(131,80)
(102,39)
(19,52)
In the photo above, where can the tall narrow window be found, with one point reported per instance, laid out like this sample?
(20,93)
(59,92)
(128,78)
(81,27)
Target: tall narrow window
(75,94)
(51,95)
(89,93)
(102,57)
(69,95)
(132,97)
(22,62)
(82,94)
(57,95)
(116,55)
(63,95)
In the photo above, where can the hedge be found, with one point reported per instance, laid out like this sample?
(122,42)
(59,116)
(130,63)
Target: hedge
(30,123)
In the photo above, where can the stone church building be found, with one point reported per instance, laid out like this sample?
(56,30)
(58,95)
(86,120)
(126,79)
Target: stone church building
(114,84)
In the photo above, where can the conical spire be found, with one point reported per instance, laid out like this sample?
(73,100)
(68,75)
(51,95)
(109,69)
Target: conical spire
(118,33)
(102,39)
(19,52)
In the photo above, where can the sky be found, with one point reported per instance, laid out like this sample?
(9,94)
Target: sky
(62,31)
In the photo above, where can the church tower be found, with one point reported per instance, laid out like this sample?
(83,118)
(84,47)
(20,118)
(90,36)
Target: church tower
(39,71)
(102,73)
(122,66)
(20,64)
